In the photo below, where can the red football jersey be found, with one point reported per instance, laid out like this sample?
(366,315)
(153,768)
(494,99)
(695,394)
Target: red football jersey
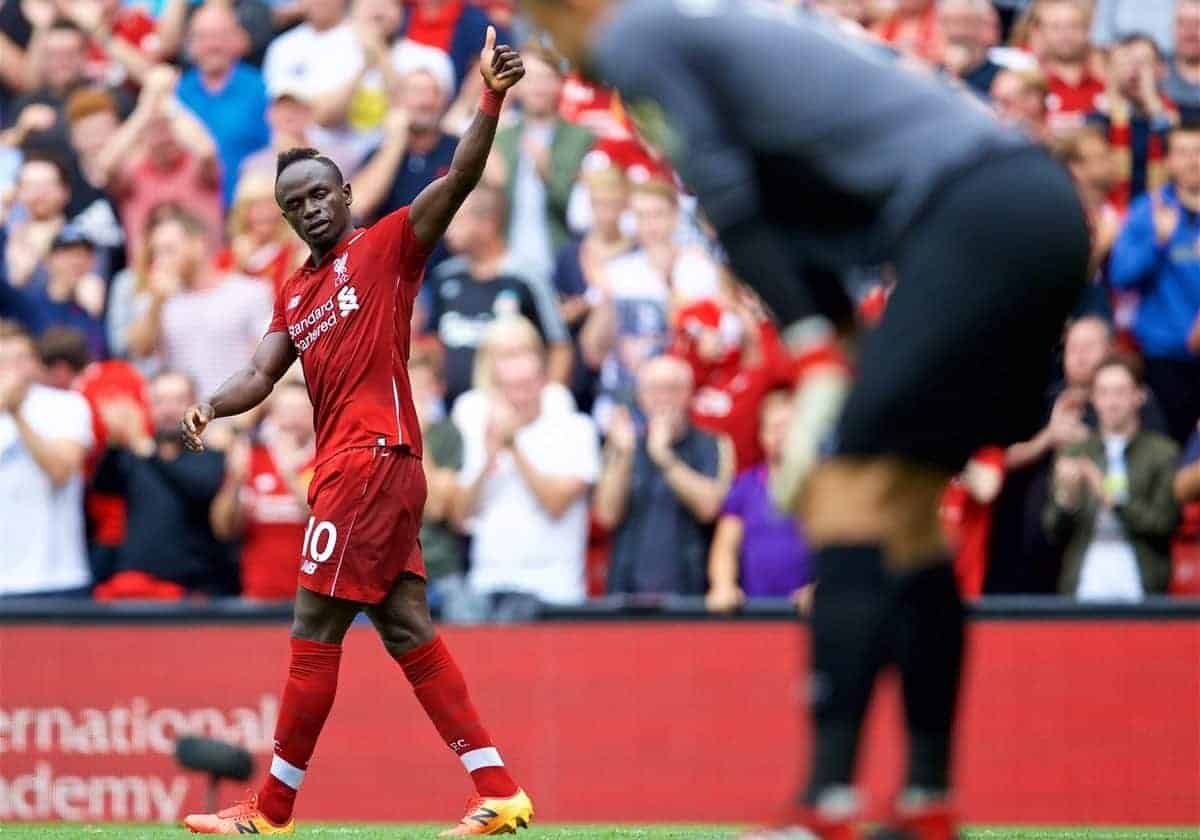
(348,319)
(1067,105)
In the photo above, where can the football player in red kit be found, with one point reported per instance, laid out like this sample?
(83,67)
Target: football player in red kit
(345,314)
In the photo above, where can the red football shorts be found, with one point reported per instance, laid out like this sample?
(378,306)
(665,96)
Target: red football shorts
(366,514)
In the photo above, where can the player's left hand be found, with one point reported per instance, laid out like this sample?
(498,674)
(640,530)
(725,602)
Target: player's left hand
(501,65)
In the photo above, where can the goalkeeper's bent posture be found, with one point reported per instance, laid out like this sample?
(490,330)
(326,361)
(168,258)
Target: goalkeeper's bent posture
(811,148)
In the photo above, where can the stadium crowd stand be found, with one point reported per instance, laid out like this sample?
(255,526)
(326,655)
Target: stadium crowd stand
(577,314)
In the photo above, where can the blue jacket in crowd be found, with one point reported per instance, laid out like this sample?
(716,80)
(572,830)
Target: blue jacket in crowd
(1168,276)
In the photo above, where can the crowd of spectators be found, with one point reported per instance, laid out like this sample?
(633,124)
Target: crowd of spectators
(602,402)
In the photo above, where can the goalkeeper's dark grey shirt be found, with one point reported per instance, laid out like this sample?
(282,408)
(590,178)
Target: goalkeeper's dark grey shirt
(776,117)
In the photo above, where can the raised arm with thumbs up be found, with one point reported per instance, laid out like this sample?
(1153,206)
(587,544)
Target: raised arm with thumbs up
(501,68)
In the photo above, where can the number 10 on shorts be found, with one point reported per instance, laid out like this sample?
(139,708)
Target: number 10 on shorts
(319,541)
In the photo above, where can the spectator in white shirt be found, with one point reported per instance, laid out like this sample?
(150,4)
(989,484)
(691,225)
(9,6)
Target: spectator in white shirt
(637,294)
(44,435)
(525,487)
(511,335)
(320,55)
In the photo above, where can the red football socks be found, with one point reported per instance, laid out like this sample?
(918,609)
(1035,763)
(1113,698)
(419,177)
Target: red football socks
(442,692)
(307,699)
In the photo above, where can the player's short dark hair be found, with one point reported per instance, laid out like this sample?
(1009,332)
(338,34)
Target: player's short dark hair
(64,344)
(1127,361)
(289,156)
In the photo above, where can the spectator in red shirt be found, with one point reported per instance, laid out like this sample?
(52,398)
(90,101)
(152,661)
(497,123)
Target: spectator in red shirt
(736,359)
(102,383)
(1062,35)
(1136,116)
(263,500)
(913,28)
(123,44)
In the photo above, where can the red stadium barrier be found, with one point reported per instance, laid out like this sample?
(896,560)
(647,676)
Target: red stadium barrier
(1064,721)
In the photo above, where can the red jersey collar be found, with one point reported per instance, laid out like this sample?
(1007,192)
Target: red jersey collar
(339,249)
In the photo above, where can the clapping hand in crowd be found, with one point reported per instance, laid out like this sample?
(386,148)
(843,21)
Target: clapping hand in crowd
(502,426)
(125,426)
(1166,218)
(373,42)
(1075,477)
(237,461)
(164,278)
(622,435)
(662,430)
(1148,98)
(289,453)
(1066,418)
(89,16)
(13,389)
(33,119)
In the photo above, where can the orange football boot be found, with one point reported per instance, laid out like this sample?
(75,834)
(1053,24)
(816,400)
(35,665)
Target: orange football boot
(494,815)
(240,818)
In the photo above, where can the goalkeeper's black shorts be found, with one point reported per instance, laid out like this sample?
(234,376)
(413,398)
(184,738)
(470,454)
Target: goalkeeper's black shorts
(985,281)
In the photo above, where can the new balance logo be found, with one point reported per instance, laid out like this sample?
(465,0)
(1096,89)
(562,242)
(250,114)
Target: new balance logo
(483,815)
(347,300)
(309,567)
(247,828)
(294,302)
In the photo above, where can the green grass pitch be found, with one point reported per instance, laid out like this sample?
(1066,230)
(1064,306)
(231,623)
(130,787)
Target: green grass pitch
(379,831)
